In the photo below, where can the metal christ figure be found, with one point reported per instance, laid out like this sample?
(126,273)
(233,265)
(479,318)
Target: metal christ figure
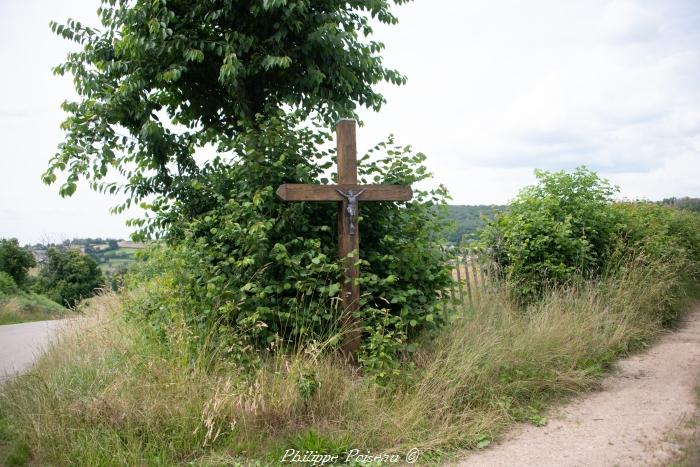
(352,206)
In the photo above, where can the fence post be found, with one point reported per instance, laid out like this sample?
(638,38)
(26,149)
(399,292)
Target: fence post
(460,287)
(491,270)
(472,266)
(484,284)
(453,295)
(466,277)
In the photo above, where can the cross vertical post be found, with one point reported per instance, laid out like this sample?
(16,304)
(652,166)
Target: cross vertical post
(348,193)
(348,244)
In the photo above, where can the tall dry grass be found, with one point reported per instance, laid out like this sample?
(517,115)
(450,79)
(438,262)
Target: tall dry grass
(108,393)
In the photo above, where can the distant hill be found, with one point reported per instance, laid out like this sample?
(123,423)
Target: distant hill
(469,219)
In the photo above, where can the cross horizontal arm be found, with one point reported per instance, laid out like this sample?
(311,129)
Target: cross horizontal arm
(307,192)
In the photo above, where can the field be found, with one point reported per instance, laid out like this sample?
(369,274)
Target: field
(112,261)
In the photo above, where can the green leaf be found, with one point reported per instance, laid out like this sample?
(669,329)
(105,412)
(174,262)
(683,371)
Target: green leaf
(333,290)
(67,189)
(482,441)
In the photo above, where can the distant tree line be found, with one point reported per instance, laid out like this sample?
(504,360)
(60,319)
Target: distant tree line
(685,203)
(111,243)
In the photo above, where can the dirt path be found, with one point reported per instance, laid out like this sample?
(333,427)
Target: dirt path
(628,423)
(20,344)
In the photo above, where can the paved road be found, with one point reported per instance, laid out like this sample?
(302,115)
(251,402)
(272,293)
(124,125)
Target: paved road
(20,344)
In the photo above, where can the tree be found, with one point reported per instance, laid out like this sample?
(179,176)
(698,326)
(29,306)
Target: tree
(259,81)
(69,276)
(15,260)
(163,78)
(259,270)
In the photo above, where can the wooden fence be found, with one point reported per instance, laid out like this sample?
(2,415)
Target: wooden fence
(474,277)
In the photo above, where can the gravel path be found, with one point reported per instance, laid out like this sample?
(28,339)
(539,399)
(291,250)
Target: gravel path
(629,422)
(20,344)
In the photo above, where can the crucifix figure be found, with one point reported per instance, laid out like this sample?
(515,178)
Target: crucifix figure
(352,207)
(347,192)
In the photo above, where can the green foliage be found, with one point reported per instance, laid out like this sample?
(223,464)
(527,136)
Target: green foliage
(659,231)
(15,260)
(566,227)
(69,276)
(307,385)
(114,261)
(554,231)
(208,69)
(14,450)
(386,337)
(264,272)
(18,305)
(655,234)
(19,454)
(7,284)
(114,278)
(254,80)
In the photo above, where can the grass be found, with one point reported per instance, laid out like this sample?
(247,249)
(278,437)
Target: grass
(688,438)
(118,253)
(29,306)
(129,401)
(112,260)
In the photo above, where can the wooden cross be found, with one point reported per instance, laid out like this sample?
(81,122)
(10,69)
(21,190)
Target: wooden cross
(348,192)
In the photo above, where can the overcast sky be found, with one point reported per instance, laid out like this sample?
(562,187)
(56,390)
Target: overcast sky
(495,89)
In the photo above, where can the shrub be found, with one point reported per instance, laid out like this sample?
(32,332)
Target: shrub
(659,235)
(245,264)
(659,231)
(7,284)
(554,231)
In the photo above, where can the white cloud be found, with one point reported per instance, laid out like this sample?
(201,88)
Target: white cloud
(628,21)
(614,85)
